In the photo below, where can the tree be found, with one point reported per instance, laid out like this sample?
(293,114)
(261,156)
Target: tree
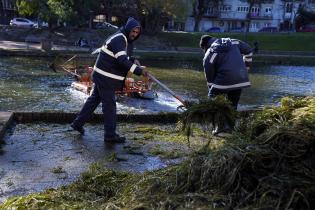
(84,11)
(304,17)
(75,12)
(36,8)
(156,13)
(63,9)
(153,14)
(200,7)
(27,8)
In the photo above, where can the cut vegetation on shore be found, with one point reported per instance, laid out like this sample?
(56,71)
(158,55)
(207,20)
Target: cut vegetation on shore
(267,163)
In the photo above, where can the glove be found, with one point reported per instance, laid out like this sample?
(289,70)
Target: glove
(137,62)
(145,73)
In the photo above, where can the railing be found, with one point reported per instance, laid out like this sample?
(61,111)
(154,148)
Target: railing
(233,15)
(259,16)
(212,14)
(244,15)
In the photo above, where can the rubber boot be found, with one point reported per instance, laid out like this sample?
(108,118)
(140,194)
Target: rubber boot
(221,128)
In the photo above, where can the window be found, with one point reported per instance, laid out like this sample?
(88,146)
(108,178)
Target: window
(254,25)
(267,24)
(211,10)
(268,10)
(255,10)
(225,8)
(21,20)
(288,7)
(242,9)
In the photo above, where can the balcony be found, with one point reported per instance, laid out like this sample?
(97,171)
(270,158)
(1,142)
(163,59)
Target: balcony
(212,14)
(232,15)
(258,16)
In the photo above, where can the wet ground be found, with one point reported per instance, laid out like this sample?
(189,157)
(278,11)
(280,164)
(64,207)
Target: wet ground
(42,155)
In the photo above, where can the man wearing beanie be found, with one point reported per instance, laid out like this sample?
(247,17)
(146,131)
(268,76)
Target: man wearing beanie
(110,71)
(225,70)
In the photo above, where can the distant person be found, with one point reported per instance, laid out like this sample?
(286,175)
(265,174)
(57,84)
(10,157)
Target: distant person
(224,67)
(82,42)
(77,43)
(110,71)
(256,47)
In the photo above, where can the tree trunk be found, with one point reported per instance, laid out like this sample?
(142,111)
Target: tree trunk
(248,17)
(90,21)
(197,22)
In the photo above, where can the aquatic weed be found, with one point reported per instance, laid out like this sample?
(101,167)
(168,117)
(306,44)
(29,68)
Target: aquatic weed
(208,113)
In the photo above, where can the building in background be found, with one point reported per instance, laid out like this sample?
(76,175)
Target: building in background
(7,11)
(237,16)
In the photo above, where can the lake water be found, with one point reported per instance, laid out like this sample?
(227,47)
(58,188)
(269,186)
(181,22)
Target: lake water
(27,84)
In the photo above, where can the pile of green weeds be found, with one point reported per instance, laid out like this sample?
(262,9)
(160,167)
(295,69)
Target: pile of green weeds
(267,163)
(208,113)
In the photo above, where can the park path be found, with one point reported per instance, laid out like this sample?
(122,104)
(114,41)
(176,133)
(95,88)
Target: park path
(12,46)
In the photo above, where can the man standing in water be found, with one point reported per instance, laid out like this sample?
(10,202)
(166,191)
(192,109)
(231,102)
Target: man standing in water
(110,71)
(226,64)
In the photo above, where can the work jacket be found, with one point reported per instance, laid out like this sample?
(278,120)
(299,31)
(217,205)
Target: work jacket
(224,66)
(113,61)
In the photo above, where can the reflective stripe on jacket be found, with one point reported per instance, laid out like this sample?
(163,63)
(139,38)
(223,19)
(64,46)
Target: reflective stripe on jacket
(113,63)
(224,66)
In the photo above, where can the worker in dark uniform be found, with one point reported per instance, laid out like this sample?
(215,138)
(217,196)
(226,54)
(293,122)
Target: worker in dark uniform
(110,71)
(226,64)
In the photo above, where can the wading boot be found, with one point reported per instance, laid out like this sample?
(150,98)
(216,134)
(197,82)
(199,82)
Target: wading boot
(77,128)
(218,129)
(115,140)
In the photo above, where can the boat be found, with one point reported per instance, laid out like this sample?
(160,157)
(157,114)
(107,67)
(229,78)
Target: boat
(133,88)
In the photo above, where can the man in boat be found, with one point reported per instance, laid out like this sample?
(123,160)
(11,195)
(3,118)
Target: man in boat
(226,64)
(109,73)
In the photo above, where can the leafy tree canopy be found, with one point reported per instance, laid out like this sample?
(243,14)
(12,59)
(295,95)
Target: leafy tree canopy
(304,17)
(152,13)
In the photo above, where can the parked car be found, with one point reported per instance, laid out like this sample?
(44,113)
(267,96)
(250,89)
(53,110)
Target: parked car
(238,29)
(307,28)
(104,25)
(214,30)
(22,22)
(41,24)
(269,29)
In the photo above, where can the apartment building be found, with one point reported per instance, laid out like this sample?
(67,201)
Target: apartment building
(237,14)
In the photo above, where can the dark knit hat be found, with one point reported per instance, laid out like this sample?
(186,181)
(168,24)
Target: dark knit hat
(204,41)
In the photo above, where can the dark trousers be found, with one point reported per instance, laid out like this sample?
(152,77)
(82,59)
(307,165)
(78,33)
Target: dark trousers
(107,97)
(232,95)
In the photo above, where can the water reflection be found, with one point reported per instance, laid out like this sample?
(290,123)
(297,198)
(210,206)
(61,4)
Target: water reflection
(28,84)
(273,82)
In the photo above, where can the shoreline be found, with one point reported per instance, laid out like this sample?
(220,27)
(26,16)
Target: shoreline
(25,49)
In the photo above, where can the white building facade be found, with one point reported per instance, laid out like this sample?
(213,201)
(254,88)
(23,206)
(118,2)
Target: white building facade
(235,15)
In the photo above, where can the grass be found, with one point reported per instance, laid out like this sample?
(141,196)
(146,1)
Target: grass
(169,133)
(266,41)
